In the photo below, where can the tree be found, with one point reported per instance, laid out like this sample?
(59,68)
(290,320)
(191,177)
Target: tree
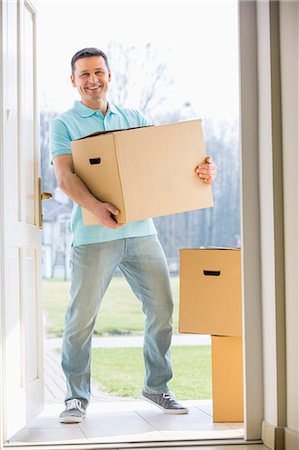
(47,174)
(139,78)
(212,227)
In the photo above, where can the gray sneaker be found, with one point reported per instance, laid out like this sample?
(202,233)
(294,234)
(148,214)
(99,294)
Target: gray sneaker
(166,402)
(74,412)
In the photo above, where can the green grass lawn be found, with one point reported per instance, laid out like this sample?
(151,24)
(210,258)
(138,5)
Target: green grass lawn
(120,371)
(120,312)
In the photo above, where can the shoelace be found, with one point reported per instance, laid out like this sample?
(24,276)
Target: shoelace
(168,396)
(74,404)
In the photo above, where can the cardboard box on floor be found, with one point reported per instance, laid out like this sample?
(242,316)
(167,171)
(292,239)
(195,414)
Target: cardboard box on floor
(210,291)
(211,303)
(145,172)
(227,379)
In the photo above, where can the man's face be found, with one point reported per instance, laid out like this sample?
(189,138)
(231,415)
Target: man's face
(91,78)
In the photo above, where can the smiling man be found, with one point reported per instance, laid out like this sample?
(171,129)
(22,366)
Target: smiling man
(98,250)
(91,76)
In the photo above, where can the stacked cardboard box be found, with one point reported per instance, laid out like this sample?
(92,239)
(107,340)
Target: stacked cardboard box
(211,303)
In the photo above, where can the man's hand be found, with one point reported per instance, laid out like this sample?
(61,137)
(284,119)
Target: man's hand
(104,212)
(207,171)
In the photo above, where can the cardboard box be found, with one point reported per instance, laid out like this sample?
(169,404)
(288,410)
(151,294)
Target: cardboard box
(227,379)
(145,172)
(210,292)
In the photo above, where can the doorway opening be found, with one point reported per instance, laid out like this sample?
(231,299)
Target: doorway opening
(168,79)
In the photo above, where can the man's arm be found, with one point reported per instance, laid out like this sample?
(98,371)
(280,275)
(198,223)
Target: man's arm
(76,190)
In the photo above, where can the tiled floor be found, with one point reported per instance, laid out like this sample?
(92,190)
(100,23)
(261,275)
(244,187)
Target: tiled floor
(219,447)
(127,421)
(116,420)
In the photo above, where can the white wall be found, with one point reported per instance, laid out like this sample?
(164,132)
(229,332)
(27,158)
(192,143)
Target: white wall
(289,35)
(277,54)
(269,131)
(250,207)
(266,212)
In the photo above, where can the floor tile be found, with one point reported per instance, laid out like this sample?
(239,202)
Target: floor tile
(149,436)
(111,418)
(128,421)
(46,435)
(203,434)
(204,405)
(48,422)
(236,425)
(195,419)
(125,426)
(219,447)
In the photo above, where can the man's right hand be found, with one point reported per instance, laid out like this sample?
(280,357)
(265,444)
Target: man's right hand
(75,189)
(104,216)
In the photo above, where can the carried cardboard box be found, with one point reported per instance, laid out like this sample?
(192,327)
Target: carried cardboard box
(227,379)
(210,292)
(145,172)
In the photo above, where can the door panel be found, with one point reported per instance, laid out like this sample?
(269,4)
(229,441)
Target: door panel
(10,97)
(29,308)
(28,126)
(32,330)
(14,369)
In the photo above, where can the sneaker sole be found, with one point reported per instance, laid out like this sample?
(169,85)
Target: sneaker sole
(71,419)
(167,411)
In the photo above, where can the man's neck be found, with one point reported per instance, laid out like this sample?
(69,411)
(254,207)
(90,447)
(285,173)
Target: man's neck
(102,105)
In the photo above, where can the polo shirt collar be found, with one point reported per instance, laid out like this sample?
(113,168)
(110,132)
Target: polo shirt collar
(85,111)
(112,108)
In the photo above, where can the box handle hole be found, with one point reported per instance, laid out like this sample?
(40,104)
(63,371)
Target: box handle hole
(212,273)
(95,161)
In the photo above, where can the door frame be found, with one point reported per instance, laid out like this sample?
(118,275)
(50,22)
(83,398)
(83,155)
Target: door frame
(263,220)
(1,238)
(250,217)
(250,222)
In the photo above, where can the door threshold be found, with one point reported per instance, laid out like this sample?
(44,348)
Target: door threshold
(142,445)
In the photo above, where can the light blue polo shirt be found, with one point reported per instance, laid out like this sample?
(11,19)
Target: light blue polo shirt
(81,121)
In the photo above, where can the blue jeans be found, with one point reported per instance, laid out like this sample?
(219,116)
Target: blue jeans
(143,263)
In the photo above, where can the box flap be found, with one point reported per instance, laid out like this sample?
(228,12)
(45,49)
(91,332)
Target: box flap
(98,133)
(210,248)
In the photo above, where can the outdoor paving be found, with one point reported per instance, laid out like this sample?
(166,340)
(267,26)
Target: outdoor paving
(135,341)
(55,381)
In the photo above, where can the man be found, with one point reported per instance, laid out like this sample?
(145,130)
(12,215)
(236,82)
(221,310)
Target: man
(98,250)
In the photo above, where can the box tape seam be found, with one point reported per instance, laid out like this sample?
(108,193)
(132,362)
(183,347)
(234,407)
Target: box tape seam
(119,175)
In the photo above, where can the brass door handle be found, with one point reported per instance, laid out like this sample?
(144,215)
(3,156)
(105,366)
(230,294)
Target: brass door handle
(42,196)
(46,195)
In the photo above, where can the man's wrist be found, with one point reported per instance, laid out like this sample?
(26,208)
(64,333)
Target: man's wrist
(93,203)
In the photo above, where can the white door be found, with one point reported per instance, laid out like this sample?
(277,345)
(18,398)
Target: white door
(22,349)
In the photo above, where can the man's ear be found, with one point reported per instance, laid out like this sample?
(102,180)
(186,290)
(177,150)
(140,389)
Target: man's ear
(73,80)
(109,77)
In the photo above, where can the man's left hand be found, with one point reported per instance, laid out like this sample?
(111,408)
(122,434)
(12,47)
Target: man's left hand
(207,171)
